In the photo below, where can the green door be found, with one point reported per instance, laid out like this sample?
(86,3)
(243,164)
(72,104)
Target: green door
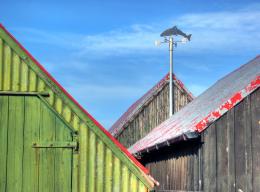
(35,145)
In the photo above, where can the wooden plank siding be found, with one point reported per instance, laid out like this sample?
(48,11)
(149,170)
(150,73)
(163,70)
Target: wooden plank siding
(152,114)
(19,73)
(175,167)
(27,168)
(255,123)
(224,158)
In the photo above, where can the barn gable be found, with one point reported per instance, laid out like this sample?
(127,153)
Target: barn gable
(134,109)
(149,111)
(205,109)
(22,74)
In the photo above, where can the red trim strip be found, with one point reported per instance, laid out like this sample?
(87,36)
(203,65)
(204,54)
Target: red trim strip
(138,164)
(229,104)
(149,141)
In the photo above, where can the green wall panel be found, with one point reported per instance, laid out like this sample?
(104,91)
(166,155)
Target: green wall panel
(26,120)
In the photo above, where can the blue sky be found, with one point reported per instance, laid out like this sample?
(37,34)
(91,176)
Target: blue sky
(103,52)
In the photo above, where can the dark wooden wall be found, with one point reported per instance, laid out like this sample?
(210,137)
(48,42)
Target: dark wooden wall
(225,159)
(154,113)
(175,167)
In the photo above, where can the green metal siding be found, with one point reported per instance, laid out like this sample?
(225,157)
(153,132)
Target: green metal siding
(99,165)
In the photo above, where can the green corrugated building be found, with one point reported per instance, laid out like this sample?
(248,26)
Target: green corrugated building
(48,142)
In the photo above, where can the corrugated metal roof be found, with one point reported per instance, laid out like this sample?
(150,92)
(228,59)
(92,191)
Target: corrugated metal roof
(118,126)
(205,109)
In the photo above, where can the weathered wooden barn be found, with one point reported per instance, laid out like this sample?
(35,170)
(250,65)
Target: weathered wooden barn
(213,143)
(48,142)
(149,111)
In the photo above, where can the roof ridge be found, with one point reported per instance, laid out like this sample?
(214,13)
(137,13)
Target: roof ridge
(117,127)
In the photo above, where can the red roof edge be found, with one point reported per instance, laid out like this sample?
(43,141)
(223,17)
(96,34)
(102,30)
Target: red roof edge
(118,126)
(137,163)
(229,104)
(234,99)
(211,117)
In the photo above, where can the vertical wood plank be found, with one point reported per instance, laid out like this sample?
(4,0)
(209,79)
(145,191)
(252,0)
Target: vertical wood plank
(51,98)
(231,150)
(75,163)
(15,144)
(222,154)
(31,155)
(7,68)
(133,183)
(116,175)
(83,146)
(91,162)
(255,111)
(58,104)
(241,155)
(100,166)
(15,72)
(1,62)
(32,80)
(67,113)
(108,170)
(47,159)
(3,140)
(196,172)
(63,159)
(40,85)
(239,148)
(248,144)
(209,159)
(24,76)
(200,156)
(125,179)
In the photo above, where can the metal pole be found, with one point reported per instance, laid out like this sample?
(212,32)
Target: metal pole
(171,80)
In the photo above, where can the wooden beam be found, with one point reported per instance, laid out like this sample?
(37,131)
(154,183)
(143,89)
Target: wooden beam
(13,93)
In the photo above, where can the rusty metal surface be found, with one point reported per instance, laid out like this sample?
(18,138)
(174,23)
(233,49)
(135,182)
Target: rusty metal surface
(205,109)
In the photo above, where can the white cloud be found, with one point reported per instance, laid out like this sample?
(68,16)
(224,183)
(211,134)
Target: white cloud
(121,41)
(223,31)
(232,31)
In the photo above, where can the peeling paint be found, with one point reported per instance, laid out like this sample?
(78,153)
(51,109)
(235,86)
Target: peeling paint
(235,99)
(207,108)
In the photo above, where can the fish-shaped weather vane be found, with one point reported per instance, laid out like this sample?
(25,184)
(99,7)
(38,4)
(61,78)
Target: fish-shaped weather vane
(175,31)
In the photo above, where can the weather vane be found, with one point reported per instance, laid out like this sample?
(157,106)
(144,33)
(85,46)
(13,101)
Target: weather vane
(168,38)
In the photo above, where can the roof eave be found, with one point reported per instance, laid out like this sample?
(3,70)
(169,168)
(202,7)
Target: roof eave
(187,136)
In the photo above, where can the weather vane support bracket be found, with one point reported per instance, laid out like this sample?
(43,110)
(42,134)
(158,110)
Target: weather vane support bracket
(168,38)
